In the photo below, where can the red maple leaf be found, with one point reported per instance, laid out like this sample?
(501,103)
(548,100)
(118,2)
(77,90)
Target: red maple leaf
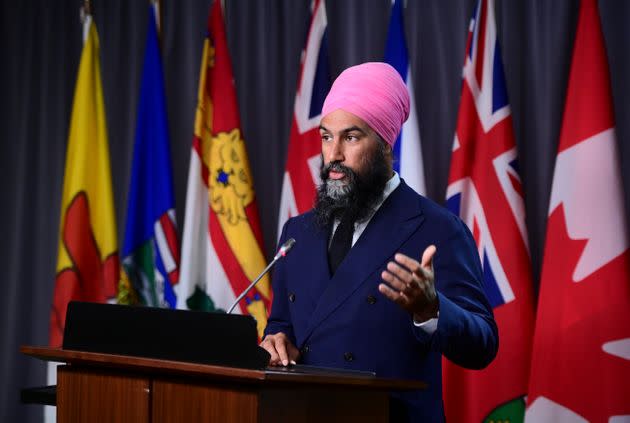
(575,320)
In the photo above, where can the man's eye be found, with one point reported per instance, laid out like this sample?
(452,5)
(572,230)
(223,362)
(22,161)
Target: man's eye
(325,137)
(352,137)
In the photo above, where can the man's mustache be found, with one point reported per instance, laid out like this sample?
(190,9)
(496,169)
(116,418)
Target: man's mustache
(337,167)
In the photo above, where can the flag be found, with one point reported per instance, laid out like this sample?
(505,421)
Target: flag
(87,260)
(301,175)
(151,248)
(581,355)
(485,191)
(87,256)
(407,150)
(221,247)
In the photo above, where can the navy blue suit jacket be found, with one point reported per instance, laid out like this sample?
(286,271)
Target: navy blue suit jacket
(344,321)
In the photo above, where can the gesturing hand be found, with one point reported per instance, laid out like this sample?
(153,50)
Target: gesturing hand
(411,284)
(281,349)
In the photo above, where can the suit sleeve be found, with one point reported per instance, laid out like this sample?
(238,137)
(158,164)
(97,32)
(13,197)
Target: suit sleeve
(280,318)
(466,332)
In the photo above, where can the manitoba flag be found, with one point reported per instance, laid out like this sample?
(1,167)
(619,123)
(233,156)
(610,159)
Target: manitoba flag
(581,356)
(221,246)
(485,191)
(301,175)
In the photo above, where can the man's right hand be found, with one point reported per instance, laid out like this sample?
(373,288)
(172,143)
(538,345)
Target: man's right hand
(282,351)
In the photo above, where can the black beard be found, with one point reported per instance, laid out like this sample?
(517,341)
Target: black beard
(363,191)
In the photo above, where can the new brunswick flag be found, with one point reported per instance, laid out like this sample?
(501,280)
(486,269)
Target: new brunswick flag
(87,262)
(221,248)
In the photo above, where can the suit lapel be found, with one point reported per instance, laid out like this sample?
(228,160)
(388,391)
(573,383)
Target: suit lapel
(394,222)
(317,248)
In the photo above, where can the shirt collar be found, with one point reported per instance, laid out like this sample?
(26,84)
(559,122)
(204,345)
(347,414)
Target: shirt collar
(390,186)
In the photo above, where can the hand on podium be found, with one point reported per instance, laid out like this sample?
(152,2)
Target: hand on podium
(282,350)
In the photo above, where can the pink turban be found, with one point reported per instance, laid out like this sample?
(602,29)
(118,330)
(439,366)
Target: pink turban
(374,92)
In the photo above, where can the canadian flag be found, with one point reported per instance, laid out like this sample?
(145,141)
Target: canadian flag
(581,357)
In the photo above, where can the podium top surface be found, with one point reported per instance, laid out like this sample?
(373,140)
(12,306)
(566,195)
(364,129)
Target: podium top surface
(269,376)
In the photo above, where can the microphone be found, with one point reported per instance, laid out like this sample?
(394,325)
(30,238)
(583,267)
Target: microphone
(282,251)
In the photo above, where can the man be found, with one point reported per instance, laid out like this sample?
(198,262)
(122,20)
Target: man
(352,294)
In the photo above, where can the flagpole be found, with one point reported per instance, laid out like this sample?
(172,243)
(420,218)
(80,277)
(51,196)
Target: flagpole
(85,11)
(85,14)
(158,16)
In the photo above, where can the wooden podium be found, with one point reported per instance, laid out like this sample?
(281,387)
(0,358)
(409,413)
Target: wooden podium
(95,387)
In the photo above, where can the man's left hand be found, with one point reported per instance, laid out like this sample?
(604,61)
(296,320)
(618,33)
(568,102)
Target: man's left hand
(411,284)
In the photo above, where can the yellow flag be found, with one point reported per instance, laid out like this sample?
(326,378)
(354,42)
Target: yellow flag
(87,262)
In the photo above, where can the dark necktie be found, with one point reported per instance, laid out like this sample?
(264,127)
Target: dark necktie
(341,243)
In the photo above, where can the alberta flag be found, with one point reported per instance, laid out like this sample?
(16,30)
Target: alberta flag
(151,248)
(407,150)
(485,191)
(221,248)
(301,175)
(581,356)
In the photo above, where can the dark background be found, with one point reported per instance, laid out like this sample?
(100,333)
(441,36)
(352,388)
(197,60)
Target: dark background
(40,45)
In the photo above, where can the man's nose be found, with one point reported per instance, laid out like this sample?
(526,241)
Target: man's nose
(335,153)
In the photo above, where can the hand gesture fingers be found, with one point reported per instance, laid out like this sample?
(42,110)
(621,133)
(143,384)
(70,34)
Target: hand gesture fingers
(411,284)
(427,260)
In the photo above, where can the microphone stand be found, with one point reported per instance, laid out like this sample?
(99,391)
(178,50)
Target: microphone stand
(281,253)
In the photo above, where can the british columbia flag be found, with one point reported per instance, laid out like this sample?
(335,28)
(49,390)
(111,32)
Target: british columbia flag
(485,190)
(301,175)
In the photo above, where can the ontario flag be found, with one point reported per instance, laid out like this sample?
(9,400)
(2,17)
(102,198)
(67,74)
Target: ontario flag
(221,246)
(485,191)
(581,356)
(151,246)
(87,260)
(408,149)
(301,175)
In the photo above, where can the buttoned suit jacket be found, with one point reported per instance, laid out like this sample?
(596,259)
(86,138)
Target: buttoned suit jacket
(343,321)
